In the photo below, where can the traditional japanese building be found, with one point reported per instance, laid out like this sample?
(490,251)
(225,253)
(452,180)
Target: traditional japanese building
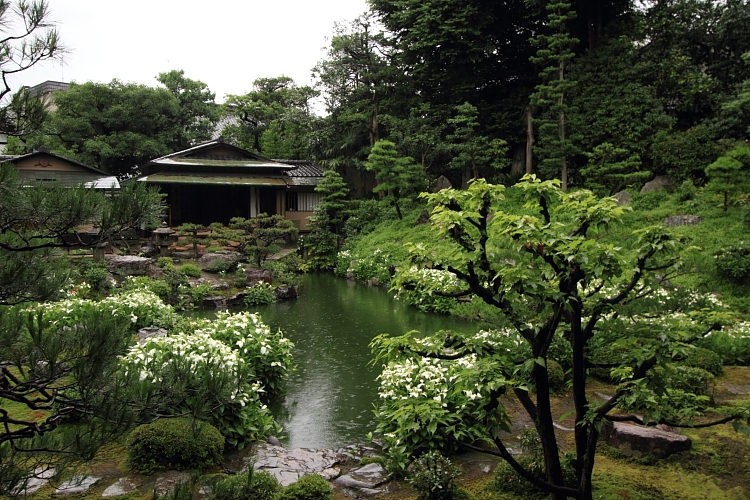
(215,181)
(45,167)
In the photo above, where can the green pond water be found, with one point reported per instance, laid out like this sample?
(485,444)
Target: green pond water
(329,400)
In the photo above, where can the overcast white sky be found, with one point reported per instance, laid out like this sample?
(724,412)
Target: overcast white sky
(224,43)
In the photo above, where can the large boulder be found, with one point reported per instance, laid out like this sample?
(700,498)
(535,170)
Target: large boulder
(637,440)
(256,275)
(659,182)
(286,292)
(129,265)
(219,261)
(442,182)
(623,198)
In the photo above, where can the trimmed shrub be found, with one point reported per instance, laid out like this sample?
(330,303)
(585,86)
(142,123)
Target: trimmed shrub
(705,359)
(191,270)
(733,263)
(309,487)
(433,476)
(251,485)
(179,443)
(165,262)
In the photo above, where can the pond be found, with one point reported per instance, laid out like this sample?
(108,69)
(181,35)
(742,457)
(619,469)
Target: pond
(329,400)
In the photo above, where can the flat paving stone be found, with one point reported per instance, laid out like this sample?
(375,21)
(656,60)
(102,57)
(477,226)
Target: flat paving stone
(122,486)
(77,484)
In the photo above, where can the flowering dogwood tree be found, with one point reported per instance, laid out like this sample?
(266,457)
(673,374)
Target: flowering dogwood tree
(563,293)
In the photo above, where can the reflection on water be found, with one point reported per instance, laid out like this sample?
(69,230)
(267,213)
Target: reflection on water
(329,399)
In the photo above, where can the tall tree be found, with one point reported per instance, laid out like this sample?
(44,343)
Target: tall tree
(276,106)
(396,175)
(554,54)
(115,126)
(357,78)
(28,36)
(472,152)
(198,113)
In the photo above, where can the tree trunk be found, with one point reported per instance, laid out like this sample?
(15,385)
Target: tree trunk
(529,140)
(561,125)
(546,429)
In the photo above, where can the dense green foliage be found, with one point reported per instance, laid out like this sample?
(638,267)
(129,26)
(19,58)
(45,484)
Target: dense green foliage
(174,443)
(256,238)
(250,485)
(562,299)
(308,487)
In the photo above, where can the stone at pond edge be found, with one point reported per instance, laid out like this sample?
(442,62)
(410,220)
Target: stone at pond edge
(682,220)
(286,292)
(218,302)
(77,484)
(637,441)
(255,276)
(289,465)
(122,486)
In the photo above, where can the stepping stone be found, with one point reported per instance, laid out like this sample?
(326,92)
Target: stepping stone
(287,466)
(40,478)
(77,484)
(123,486)
(167,481)
(637,441)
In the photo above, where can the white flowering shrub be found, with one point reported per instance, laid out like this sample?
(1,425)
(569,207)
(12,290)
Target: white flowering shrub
(419,395)
(142,308)
(204,377)
(421,287)
(267,355)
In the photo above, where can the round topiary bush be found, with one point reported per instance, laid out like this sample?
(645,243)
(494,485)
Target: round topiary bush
(309,487)
(178,443)
(190,270)
(705,359)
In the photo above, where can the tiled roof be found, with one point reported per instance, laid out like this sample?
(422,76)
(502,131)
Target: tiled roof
(303,168)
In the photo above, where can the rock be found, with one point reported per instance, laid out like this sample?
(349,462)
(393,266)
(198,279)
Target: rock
(273,440)
(167,481)
(623,198)
(364,479)
(682,220)
(77,484)
(424,218)
(41,477)
(129,265)
(374,281)
(330,473)
(237,299)
(442,182)
(286,292)
(183,254)
(289,465)
(148,250)
(659,182)
(255,276)
(122,486)
(145,333)
(217,261)
(637,441)
(737,389)
(217,302)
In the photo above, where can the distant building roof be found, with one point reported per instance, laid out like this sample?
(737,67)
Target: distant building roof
(48,87)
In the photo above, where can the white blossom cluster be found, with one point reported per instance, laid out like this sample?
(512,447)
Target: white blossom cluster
(140,307)
(268,354)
